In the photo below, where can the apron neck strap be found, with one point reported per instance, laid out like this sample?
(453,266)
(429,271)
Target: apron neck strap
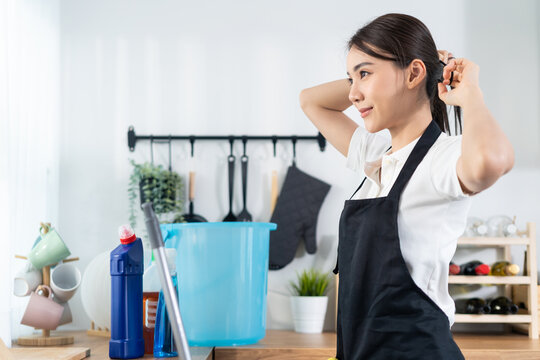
(428,138)
(359,187)
(363,181)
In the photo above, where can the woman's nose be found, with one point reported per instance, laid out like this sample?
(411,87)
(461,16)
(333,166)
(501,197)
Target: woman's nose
(354,94)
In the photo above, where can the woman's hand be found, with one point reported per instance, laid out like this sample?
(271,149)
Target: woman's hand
(445,55)
(464,86)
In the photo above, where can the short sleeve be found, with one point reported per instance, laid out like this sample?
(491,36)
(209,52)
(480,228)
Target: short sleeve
(444,167)
(365,146)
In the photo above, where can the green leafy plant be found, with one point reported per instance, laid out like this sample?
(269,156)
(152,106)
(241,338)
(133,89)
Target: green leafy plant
(310,283)
(149,182)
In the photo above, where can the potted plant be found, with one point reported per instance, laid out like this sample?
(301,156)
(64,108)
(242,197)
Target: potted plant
(309,301)
(164,188)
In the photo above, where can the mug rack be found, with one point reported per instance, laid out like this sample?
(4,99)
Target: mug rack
(133,138)
(45,339)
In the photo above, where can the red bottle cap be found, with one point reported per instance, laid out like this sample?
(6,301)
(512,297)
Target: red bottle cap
(126,234)
(454,269)
(482,269)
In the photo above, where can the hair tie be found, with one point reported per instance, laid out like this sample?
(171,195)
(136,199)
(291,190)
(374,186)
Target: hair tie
(441,79)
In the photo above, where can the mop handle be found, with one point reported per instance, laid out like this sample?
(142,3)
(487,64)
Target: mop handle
(171,301)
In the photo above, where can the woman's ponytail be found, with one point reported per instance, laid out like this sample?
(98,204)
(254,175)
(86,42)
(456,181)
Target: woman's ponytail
(439,109)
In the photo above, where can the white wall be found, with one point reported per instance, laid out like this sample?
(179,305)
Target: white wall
(237,68)
(504,41)
(30,117)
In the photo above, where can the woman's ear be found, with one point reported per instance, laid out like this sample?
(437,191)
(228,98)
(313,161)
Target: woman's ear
(416,72)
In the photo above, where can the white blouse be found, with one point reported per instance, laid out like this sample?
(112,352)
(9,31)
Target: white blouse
(432,211)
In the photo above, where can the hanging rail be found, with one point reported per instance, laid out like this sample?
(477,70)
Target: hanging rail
(133,138)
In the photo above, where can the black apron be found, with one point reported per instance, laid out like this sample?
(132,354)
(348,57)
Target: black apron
(382,313)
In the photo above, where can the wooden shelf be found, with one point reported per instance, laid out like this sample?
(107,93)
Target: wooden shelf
(489,280)
(530,320)
(492,241)
(506,319)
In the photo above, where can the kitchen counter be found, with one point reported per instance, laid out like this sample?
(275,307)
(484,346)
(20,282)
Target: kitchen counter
(286,344)
(99,346)
(283,344)
(277,344)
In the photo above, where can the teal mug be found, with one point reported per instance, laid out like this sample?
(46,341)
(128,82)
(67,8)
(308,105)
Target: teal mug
(50,250)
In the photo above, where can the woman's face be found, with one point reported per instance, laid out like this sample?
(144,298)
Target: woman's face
(377,90)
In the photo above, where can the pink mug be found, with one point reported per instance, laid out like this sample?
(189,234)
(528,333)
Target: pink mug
(42,312)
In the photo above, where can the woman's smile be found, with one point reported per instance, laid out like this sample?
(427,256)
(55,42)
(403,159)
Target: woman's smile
(365,111)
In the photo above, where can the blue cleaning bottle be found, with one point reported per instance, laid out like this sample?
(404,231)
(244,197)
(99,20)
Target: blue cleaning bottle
(164,345)
(127,297)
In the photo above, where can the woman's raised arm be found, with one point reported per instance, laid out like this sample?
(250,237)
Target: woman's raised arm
(486,152)
(324,105)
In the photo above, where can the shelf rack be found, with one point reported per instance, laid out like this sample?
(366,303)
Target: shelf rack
(530,280)
(133,138)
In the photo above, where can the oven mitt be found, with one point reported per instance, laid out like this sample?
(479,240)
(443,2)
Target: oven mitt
(296,214)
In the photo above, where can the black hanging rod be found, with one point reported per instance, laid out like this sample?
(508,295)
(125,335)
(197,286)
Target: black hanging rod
(133,138)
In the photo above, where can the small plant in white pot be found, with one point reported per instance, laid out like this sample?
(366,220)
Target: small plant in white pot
(309,301)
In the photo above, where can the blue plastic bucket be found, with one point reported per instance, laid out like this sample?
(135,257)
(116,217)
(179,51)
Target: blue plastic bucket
(222,272)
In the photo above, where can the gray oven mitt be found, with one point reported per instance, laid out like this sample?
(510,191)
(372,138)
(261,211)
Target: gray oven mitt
(295,214)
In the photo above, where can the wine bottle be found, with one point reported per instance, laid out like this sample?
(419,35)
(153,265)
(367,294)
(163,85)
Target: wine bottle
(502,305)
(525,271)
(472,306)
(504,268)
(454,269)
(474,268)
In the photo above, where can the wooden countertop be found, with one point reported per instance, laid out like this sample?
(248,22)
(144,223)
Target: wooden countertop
(99,346)
(282,344)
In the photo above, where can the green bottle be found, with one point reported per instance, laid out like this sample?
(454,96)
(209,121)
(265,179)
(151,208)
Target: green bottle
(504,268)
(502,305)
(472,306)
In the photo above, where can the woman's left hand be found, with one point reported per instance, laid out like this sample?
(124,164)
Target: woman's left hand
(465,87)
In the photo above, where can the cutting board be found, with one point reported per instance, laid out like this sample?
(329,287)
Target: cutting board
(57,353)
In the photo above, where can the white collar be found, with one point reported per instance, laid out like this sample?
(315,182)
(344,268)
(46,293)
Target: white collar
(372,168)
(401,154)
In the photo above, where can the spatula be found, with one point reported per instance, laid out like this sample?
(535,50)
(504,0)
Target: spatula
(244,214)
(230,216)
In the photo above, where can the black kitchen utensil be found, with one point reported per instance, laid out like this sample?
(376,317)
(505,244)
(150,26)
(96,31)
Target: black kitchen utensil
(274,183)
(191,217)
(231,159)
(244,214)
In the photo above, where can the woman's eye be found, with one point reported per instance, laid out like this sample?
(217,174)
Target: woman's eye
(362,74)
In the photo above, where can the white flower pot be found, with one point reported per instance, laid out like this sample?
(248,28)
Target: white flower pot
(309,313)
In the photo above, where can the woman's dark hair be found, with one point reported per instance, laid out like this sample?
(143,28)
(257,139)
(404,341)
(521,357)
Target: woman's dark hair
(405,38)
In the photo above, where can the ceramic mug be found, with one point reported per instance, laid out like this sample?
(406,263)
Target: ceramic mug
(26,281)
(67,317)
(65,279)
(51,249)
(42,312)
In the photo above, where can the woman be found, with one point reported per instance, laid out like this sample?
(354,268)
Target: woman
(398,232)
